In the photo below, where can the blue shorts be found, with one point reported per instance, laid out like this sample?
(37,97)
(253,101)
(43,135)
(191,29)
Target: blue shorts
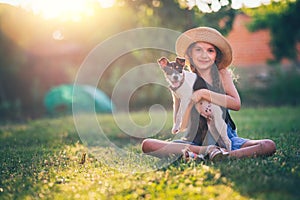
(236,141)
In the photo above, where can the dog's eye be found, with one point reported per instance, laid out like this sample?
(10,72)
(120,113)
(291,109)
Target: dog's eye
(178,68)
(168,70)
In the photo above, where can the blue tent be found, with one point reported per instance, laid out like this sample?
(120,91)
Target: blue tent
(58,100)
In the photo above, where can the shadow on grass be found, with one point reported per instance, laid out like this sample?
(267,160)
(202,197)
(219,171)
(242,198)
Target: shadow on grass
(274,177)
(263,178)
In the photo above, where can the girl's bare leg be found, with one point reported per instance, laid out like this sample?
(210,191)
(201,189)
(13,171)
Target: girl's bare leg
(161,148)
(254,148)
(251,148)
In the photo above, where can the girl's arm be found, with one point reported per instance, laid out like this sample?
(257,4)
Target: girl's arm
(230,99)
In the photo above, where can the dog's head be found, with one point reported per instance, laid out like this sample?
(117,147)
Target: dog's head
(173,70)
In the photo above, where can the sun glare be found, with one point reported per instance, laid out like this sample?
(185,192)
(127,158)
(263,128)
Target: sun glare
(106,3)
(62,9)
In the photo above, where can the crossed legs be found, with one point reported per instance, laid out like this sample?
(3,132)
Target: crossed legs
(251,148)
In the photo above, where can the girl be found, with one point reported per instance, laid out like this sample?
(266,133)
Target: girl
(209,54)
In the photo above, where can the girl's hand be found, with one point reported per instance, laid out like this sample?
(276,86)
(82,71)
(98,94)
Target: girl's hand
(197,96)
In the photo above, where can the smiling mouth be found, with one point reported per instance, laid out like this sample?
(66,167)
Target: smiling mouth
(204,61)
(175,83)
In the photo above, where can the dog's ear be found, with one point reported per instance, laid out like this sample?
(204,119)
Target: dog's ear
(180,61)
(163,62)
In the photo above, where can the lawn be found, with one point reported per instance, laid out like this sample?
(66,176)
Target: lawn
(42,159)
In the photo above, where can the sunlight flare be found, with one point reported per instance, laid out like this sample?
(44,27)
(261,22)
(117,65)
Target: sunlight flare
(106,3)
(64,10)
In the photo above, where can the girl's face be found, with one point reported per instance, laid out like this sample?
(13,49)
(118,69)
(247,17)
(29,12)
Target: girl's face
(203,55)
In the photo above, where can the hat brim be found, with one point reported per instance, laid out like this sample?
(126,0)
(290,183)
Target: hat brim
(209,35)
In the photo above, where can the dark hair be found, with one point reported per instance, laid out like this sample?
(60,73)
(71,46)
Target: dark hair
(214,71)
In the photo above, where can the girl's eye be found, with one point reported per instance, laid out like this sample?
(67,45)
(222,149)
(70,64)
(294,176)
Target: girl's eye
(211,50)
(198,49)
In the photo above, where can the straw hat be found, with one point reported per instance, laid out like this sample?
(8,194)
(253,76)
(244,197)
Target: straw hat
(209,35)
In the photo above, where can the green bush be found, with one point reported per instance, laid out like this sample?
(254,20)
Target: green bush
(282,88)
(10,110)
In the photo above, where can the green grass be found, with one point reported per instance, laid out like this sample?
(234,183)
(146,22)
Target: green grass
(40,160)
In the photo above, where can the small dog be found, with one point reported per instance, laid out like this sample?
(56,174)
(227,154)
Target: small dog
(182,84)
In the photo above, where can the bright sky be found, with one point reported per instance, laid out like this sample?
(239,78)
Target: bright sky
(75,9)
(215,5)
(65,9)
(236,4)
(103,3)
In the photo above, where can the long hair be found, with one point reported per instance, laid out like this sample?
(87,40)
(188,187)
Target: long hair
(199,123)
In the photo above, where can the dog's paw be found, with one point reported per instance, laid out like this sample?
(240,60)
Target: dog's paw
(205,109)
(175,130)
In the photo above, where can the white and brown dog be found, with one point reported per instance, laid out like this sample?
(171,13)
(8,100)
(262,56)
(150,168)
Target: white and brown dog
(181,84)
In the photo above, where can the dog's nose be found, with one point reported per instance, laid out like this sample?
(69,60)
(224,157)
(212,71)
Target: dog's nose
(175,77)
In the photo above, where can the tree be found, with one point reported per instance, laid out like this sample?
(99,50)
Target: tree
(178,15)
(282,19)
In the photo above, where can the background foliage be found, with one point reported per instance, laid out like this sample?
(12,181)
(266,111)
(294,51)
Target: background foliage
(32,60)
(282,19)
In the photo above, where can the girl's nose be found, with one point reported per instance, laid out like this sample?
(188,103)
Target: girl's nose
(203,54)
